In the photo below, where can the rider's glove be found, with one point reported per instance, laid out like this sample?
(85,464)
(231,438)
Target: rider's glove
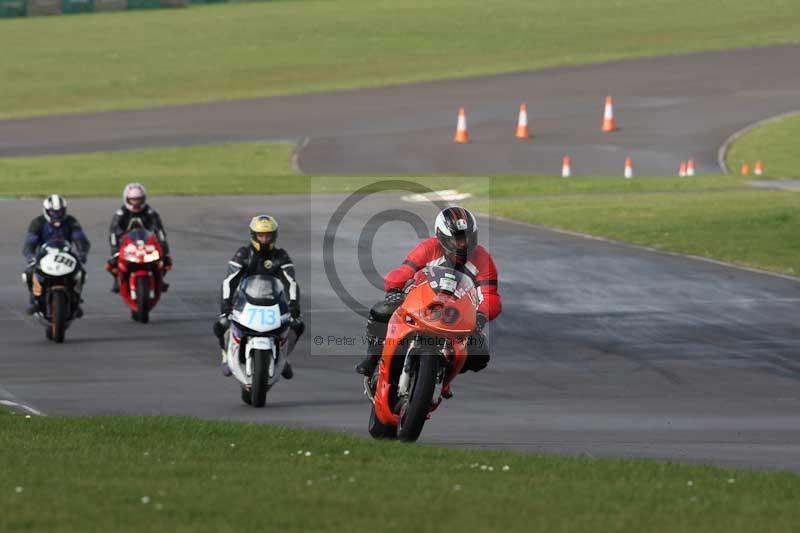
(394,296)
(294,309)
(225,309)
(167,263)
(31,262)
(480,322)
(82,258)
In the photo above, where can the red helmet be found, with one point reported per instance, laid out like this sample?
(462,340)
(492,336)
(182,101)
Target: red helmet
(134,197)
(457,231)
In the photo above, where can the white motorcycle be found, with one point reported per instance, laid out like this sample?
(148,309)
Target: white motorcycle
(56,283)
(259,339)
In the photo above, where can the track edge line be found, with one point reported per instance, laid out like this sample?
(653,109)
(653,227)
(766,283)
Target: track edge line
(722,153)
(650,249)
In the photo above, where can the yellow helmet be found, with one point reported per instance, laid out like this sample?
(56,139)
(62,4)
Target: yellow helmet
(263,224)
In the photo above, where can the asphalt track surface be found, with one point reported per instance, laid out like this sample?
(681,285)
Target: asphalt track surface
(602,349)
(668,109)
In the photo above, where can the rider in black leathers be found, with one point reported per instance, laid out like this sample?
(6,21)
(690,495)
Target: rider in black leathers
(260,257)
(135,212)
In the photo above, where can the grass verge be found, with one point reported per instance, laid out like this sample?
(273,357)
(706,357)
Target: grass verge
(182,474)
(713,216)
(753,228)
(265,168)
(776,144)
(148,58)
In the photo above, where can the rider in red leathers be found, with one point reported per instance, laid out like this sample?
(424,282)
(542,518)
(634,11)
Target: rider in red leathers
(455,245)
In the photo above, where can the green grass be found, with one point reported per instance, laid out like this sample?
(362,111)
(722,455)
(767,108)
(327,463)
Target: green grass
(265,168)
(134,59)
(239,168)
(776,144)
(754,228)
(86,473)
(713,216)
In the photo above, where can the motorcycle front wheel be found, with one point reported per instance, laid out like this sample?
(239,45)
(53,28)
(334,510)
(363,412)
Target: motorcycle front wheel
(58,316)
(142,300)
(258,391)
(415,413)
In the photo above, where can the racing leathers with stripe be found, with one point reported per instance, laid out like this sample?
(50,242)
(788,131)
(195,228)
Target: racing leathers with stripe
(247,262)
(479,266)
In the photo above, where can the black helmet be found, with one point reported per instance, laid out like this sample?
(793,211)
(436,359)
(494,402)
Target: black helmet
(263,224)
(457,231)
(55,209)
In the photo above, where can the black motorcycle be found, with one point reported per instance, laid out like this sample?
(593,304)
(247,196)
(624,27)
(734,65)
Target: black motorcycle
(56,283)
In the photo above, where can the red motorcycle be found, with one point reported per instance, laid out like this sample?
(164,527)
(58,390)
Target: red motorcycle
(140,269)
(425,349)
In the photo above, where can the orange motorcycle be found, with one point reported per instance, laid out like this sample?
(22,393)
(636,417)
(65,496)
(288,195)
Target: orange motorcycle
(425,349)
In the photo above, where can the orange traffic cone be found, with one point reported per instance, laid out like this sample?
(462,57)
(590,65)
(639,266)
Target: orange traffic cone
(690,168)
(682,169)
(745,169)
(609,124)
(758,169)
(566,171)
(522,123)
(628,168)
(462,136)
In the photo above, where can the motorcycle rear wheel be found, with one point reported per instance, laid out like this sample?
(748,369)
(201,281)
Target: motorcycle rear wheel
(415,414)
(379,430)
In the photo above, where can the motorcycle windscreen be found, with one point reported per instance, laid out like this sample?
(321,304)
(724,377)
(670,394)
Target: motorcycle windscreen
(260,304)
(446,281)
(139,234)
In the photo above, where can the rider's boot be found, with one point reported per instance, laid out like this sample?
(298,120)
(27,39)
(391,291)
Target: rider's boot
(367,366)
(287,372)
(226,370)
(32,307)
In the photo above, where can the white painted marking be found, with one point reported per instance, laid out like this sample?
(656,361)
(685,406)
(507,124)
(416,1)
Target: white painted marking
(9,403)
(447,195)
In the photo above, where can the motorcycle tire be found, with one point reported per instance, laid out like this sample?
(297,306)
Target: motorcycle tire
(58,316)
(415,414)
(143,300)
(379,430)
(260,386)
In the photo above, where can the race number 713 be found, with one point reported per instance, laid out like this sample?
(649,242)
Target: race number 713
(266,317)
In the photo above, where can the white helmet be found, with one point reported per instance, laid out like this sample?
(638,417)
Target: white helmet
(55,209)
(134,197)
